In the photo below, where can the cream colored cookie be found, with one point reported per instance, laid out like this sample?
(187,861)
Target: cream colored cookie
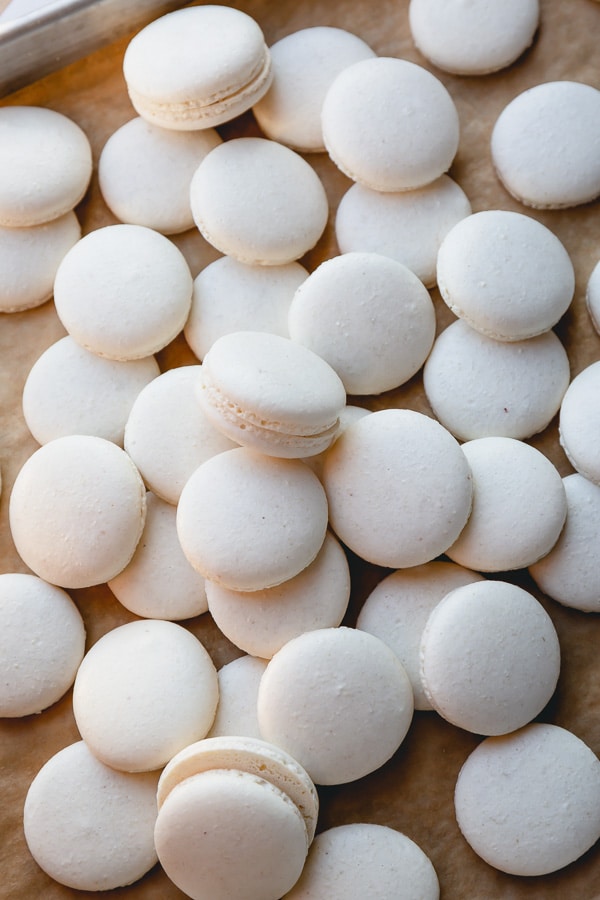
(145,171)
(88,826)
(144,691)
(261,622)
(290,217)
(42,642)
(275,508)
(338,700)
(238,692)
(158,582)
(528,803)
(45,165)
(368,316)
(123,291)
(29,259)
(399,488)
(390,124)
(70,390)
(77,511)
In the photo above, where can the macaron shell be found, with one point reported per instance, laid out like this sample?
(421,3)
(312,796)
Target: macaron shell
(478,671)
(408,226)
(579,422)
(365,860)
(77,511)
(399,488)
(528,803)
(473,39)
(123,273)
(519,506)
(88,826)
(276,508)
(144,691)
(42,642)
(385,150)
(261,622)
(45,165)
(227,833)
(338,700)
(505,274)
(542,145)
(29,259)
(293,209)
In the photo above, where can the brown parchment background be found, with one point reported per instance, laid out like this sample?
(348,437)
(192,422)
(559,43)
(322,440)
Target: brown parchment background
(413,791)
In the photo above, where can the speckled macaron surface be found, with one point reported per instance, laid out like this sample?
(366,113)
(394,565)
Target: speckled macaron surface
(475,38)
(378,119)
(398,486)
(88,826)
(123,291)
(293,208)
(77,510)
(45,165)
(528,802)
(543,145)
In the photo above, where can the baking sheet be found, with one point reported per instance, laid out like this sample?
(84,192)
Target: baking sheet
(413,792)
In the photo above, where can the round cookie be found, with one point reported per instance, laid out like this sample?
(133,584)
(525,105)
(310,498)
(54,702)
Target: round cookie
(368,316)
(70,390)
(45,165)
(123,291)
(158,582)
(249,521)
(228,833)
(88,826)
(286,223)
(592,296)
(238,692)
(145,172)
(338,700)
(569,573)
(253,756)
(365,860)
(473,39)
(167,435)
(480,387)
(347,416)
(144,691)
(29,258)
(378,117)
(519,506)
(271,394)
(42,642)
(505,274)
(408,226)
(397,609)
(261,622)
(479,671)
(232,296)
(399,488)
(77,511)
(579,422)
(304,64)
(528,803)
(197,68)
(543,142)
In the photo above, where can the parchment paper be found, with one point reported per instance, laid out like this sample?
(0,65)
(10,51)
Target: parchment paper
(414,791)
